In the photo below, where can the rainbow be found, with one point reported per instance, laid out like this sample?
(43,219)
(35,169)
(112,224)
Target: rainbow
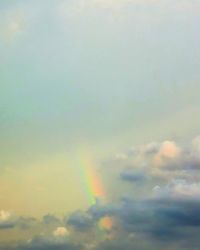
(94,187)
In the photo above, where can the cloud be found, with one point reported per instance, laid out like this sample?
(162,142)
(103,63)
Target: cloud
(60,231)
(179,189)
(4,215)
(80,221)
(132,176)
(42,243)
(12,24)
(150,148)
(99,211)
(10,221)
(164,220)
(47,243)
(184,162)
(168,150)
(50,219)
(160,219)
(160,161)
(7,221)
(7,225)
(166,216)
(25,222)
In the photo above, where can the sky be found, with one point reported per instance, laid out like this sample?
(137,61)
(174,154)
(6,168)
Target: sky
(99,124)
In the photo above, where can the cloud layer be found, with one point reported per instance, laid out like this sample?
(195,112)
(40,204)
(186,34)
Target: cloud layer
(167,216)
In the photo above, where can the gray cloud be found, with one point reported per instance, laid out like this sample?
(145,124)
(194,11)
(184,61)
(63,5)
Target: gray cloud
(98,210)
(43,243)
(7,225)
(50,219)
(80,220)
(132,176)
(139,224)
(17,222)
(168,217)
(160,161)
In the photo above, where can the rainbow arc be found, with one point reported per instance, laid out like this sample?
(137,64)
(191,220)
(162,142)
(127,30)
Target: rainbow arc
(94,187)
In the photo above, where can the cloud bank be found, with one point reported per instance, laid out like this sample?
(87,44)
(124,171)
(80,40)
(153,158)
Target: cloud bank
(167,216)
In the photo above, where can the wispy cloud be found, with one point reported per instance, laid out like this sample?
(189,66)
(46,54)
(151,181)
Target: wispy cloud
(12,24)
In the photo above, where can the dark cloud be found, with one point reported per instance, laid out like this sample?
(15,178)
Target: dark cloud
(99,211)
(50,219)
(161,219)
(80,220)
(17,222)
(7,225)
(26,222)
(139,225)
(160,161)
(132,176)
(167,218)
(43,243)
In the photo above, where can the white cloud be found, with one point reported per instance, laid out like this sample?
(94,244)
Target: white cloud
(121,156)
(168,150)
(12,24)
(4,215)
(178,189)
(60,231)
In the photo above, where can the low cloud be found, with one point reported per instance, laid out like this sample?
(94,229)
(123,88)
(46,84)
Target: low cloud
(167,216)
(163,161)
(179,189)
(80,221)
(168,150)
(50,219)
(10,221)
(47,243)
(132,176)
(61,231)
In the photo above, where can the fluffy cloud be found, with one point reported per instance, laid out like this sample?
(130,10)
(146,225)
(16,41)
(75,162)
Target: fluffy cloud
(6,220)
(168,150)
(179,189)
(163,217)
(164,220)
(4,215)
(10,221)
(60,231)
(145,223)
(165,160)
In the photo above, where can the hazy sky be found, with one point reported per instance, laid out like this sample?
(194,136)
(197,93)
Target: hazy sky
(109,87)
